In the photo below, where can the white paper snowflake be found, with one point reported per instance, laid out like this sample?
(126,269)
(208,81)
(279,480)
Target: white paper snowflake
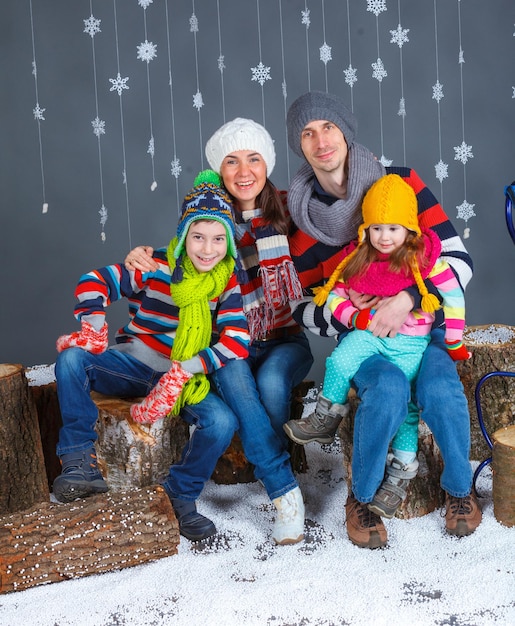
(376,6)
(221,64)
(91,26)
(99,126)
(461,58)
(34,69)
(175,168)
(145,3)
(261,73)
(379,72)
(399,36)
(463,153)
(198,103)
(441,170)
(305,18)
(513,94)
(325,53)
(193,23)
(38,112)
(284,90)
(124,177)
(150,149)
(465,211)
(437,91)
(350,75)
(147,51)
(119,83)
(103,215)
(402,108)
(386,162)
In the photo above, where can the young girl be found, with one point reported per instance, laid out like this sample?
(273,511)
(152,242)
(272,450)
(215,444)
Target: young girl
(391,254)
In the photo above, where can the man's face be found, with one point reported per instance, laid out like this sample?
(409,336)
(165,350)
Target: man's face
(324,146)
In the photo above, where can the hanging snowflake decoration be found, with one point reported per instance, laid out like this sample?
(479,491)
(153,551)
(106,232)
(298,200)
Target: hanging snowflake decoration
(176,168)
(147,51)
(198,103)
(305,18)
(261,73)
(34,69)
(38,112)
(193,23)
(150,149)
(461,58)
(145,3)
(513,94)
(119,84)
(283,87)
(325,53)
(437,91)
(465,211)
(103,216)
(386,162)
(221,64)
(399,36)
(376,6)
(441,170)
(463,153)
(402,108)
(99,126)
(91,26)
(379,72)
(350,75)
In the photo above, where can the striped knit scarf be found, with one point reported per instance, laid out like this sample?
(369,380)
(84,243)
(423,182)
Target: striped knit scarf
(192,295)
(269,279)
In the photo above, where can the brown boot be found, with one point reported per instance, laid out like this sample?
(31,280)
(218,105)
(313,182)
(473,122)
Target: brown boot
(364,528)
(462,515)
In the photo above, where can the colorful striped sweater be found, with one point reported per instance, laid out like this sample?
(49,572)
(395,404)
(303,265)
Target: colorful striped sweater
(154,318)
(316,261)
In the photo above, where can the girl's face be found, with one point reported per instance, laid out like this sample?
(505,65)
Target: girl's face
(206,244)
(387,238)
(244,176)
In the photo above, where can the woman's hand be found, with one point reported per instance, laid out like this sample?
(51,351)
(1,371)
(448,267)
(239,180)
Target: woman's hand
(390,314)
(363,300)
(140,258)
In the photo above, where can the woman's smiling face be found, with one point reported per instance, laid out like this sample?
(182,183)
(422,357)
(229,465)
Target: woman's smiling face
(244,176)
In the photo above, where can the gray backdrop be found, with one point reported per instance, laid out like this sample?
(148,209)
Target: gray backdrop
(430,82)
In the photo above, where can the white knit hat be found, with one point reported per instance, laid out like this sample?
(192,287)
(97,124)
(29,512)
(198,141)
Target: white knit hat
(240,134)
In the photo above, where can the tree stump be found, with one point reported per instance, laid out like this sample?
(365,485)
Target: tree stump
(424,491)
(22,464)
(49,418)
(52,542)
(503,482)
(493,349)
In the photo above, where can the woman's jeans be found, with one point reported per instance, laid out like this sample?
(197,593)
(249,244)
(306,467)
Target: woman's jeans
(115,373)
(385,392)
(258,390)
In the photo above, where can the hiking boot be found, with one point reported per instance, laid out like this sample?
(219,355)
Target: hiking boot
(289,523)
(80,476)
(364,528)
(320,426)
(392,492)
(192,524)
(462,515)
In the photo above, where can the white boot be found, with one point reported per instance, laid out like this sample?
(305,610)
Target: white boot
(289,523)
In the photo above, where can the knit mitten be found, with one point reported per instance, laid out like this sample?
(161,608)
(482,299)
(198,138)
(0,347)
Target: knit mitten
(457,350)
(360,319)
(87,338)
(160,401)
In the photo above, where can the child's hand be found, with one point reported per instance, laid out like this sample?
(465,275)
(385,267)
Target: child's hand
(457,350)
(88,339)
(361,319)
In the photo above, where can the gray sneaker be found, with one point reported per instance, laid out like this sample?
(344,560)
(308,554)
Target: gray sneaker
(320,426)
(392,492)
(80,476)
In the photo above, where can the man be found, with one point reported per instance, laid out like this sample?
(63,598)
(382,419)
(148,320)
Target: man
(324,200)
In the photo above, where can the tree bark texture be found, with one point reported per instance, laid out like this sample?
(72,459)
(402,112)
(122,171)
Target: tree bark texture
(49,418)
(22,464)
(52,542)
(503,484)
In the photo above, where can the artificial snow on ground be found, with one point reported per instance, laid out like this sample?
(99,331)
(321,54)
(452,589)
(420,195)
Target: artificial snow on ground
(239,577)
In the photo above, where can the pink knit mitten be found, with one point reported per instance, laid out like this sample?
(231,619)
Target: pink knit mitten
(160,401)
(88,339)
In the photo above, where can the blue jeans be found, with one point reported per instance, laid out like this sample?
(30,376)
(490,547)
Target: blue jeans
(258,390)
(385,393)
(118,374)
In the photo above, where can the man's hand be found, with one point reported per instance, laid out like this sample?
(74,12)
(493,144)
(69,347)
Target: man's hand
(390,314)
(140,258)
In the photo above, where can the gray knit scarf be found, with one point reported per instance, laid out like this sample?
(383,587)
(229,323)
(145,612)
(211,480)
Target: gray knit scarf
(337,224)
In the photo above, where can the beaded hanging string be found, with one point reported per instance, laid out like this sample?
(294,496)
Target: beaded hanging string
(325,49)
(306,20)
(37,111)
(284,88)
(400,37)
(260,73)
(198,102)
(351,72)
(221,59)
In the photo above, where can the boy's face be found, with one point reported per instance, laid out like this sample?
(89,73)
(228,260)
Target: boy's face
(206,244)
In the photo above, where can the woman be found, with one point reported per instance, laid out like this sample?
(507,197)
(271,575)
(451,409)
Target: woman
(258,389)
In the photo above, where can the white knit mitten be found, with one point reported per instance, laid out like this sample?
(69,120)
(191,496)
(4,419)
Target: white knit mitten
(87,338)
(161,400)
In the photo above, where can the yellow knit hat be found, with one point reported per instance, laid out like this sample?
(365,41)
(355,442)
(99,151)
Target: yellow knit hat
(390,200)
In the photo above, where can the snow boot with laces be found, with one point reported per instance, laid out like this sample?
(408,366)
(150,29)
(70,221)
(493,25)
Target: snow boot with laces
(80,476)
(320,426)
(289,523)
(392,492)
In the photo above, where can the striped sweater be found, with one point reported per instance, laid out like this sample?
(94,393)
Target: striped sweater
(316,261)
(154,318)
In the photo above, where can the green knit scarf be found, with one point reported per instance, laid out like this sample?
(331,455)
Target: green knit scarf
(192,295)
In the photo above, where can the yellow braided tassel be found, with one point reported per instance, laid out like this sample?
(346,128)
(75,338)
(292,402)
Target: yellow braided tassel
(430,303)
(321,294)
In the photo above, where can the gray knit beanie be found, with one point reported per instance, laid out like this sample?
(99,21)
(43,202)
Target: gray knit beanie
(319,105)
(240,134)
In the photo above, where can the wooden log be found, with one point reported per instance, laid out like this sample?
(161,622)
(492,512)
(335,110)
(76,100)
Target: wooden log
(22,464)
(503,482)
(49,418)
(493,349)
(52,542)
